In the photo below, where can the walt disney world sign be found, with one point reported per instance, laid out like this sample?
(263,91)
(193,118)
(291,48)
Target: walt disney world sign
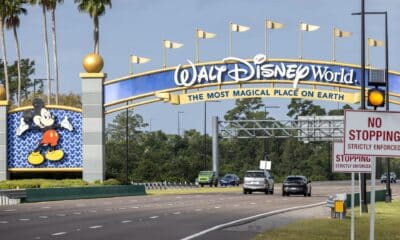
(283,76)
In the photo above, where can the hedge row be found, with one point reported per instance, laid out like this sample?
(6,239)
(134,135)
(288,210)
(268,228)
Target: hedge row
(49,183)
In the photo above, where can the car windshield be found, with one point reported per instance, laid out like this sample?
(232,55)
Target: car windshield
(255,174)
(228,176)
(294,179)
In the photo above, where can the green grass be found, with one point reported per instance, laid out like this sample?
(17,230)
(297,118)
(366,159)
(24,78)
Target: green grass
(193,190)
(387,226)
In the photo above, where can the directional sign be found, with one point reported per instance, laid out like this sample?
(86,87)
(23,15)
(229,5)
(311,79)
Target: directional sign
(372,133)
(349,163)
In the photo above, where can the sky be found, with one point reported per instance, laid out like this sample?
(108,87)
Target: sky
(139,26)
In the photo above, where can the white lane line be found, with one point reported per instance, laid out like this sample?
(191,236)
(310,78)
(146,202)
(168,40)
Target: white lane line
(236,205)
(253,203)
(43,217)
(96,226)
(10,210)
(170,204)
(251,218)
(58,234)
(3,222)
(76,213)
(24,219)
(46,207)
(153,217)
(122,208)
(126,221)
(134,207)
(177,213)
(217,207)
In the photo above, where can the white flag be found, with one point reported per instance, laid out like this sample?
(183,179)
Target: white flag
(170,44)
(139,60)
(375,43)
(205,35)
(308,27)
(239,28)
(273,25)
(340,33)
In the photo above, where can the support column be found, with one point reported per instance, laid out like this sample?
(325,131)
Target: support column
(3,141)
(215,147)
(93,126)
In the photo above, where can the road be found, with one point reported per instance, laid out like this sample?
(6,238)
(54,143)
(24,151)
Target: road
(149,217)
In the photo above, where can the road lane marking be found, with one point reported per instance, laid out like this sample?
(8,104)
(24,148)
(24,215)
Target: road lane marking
(10,210)
(134,207)
(45,207)
(58,234)
(122,208)
(43,217)
(177,213)
(96,226)
(153,217)
(251,218)
(24,219)
(253,203)
(126,221)
(217,207)
(3,222)
(76,213)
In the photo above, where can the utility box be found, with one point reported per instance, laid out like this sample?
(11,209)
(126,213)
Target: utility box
(337,205)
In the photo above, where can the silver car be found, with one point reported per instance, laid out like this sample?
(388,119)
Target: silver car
(258,180)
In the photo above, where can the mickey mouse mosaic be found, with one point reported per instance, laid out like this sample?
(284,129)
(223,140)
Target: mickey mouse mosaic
(41,119)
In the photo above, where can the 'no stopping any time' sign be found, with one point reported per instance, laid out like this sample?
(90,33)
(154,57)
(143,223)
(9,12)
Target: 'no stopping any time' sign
(372,133)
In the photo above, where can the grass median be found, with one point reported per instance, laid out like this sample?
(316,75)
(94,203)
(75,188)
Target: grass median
(193,190)
(387,225)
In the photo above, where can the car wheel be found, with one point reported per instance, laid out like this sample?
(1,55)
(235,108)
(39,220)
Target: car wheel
(201,185)
(250,192)
(305,193)
(271,191)
(216,185)
(309,194)
(244,191)
(283,193)
(266,191)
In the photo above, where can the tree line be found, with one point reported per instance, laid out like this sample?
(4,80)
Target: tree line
(157,156)
(10,13)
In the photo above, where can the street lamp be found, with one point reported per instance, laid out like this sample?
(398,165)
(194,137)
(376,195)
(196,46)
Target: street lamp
(179,122)
(388,190)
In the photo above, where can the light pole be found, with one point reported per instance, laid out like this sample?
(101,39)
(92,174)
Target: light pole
(205,133)
(179,122)
(388,197)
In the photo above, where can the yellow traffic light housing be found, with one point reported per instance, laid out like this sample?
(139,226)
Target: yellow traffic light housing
(376,97)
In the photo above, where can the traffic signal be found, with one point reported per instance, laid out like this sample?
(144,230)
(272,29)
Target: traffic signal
(376,97)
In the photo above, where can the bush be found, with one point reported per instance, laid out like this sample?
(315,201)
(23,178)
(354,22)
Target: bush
(41,183)
(111,181)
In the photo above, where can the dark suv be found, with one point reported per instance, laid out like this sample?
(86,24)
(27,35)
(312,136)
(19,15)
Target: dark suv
(296,185)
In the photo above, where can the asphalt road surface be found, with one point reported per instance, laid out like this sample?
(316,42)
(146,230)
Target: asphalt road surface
(150,217)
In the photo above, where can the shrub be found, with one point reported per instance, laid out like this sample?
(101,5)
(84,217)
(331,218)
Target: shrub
(111,181)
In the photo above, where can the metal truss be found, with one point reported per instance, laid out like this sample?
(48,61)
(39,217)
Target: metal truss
(307,129)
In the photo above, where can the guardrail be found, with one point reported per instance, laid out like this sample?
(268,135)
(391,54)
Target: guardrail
(11,197)
(167,185)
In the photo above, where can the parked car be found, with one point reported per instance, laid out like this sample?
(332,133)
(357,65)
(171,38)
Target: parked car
(258,180)
(208,178)
(296,185)
(229,180)
(393,177)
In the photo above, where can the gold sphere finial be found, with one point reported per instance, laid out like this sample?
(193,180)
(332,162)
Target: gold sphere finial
(2,92)
(93,63)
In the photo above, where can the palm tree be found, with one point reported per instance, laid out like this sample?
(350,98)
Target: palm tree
(95,8)
(44,4)
(51,6)
(15,9)
(3,15)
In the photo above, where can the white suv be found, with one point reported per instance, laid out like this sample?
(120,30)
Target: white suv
(258,180)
